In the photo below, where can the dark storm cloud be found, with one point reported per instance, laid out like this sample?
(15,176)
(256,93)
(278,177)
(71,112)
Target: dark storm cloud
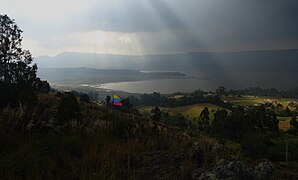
(218,20)
(255,20)
(161,26)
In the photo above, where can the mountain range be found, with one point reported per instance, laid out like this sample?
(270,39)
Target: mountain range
(275,60)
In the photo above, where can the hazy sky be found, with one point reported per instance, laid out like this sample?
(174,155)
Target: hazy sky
(154,26)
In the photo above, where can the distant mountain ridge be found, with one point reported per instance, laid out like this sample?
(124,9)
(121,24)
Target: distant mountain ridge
(267,60)
(91,75)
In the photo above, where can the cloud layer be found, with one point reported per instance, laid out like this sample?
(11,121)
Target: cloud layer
(154,26)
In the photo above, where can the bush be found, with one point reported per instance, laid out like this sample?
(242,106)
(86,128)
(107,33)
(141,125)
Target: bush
(69,108)
(122,127)
(256,145)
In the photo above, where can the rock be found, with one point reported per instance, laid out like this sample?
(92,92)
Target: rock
(232,170)
(235,169)
(265,170)
(241,170)
(219,151)
(207,176)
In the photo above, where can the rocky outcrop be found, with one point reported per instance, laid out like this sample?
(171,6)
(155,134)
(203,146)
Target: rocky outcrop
(238,170)
(229,170)
(264,170)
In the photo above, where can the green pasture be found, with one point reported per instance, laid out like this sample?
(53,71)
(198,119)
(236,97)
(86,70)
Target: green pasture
(191,112)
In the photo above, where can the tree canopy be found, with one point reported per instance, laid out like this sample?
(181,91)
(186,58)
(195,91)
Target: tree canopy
(17,74)
(204,119)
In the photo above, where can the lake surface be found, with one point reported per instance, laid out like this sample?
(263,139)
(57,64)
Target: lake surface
(164,86)
(208,81)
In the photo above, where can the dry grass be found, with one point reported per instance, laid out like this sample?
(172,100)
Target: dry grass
(284,125)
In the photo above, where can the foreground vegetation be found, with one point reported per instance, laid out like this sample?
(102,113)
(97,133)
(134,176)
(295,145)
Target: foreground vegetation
(102,143)
(102,155)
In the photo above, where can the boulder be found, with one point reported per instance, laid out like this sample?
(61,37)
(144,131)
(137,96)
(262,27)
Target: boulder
(219,151)
(232,170)
(238,170)
(264,170)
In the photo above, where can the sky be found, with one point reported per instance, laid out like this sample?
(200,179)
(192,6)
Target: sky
(140,27)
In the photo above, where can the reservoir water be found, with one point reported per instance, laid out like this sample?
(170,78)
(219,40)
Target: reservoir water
(208,81)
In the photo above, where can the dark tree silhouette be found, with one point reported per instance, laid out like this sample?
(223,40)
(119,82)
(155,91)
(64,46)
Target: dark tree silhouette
(220,122)
(204,119)
(294,123)
(126,105)
(43,87)
(156,114)
(108,101)
(17,75)
(293,126)
(239,122)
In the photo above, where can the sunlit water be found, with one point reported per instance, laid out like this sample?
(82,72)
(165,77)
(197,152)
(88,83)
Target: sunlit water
(163,86)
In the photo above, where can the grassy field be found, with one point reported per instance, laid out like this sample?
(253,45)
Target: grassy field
(246,100)
(284,125)
(191,112)
(253,100)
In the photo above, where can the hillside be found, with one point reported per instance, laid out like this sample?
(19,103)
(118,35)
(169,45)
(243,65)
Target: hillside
(100,142)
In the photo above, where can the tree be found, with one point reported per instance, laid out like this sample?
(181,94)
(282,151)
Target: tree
(288,112)
(126,105)
(220,122)
(156,114)
(17,75)
(294,123)
(177,120)
(237,123)
(293,126)
(262,119)
(204,119)
(44,87)
(108,101)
